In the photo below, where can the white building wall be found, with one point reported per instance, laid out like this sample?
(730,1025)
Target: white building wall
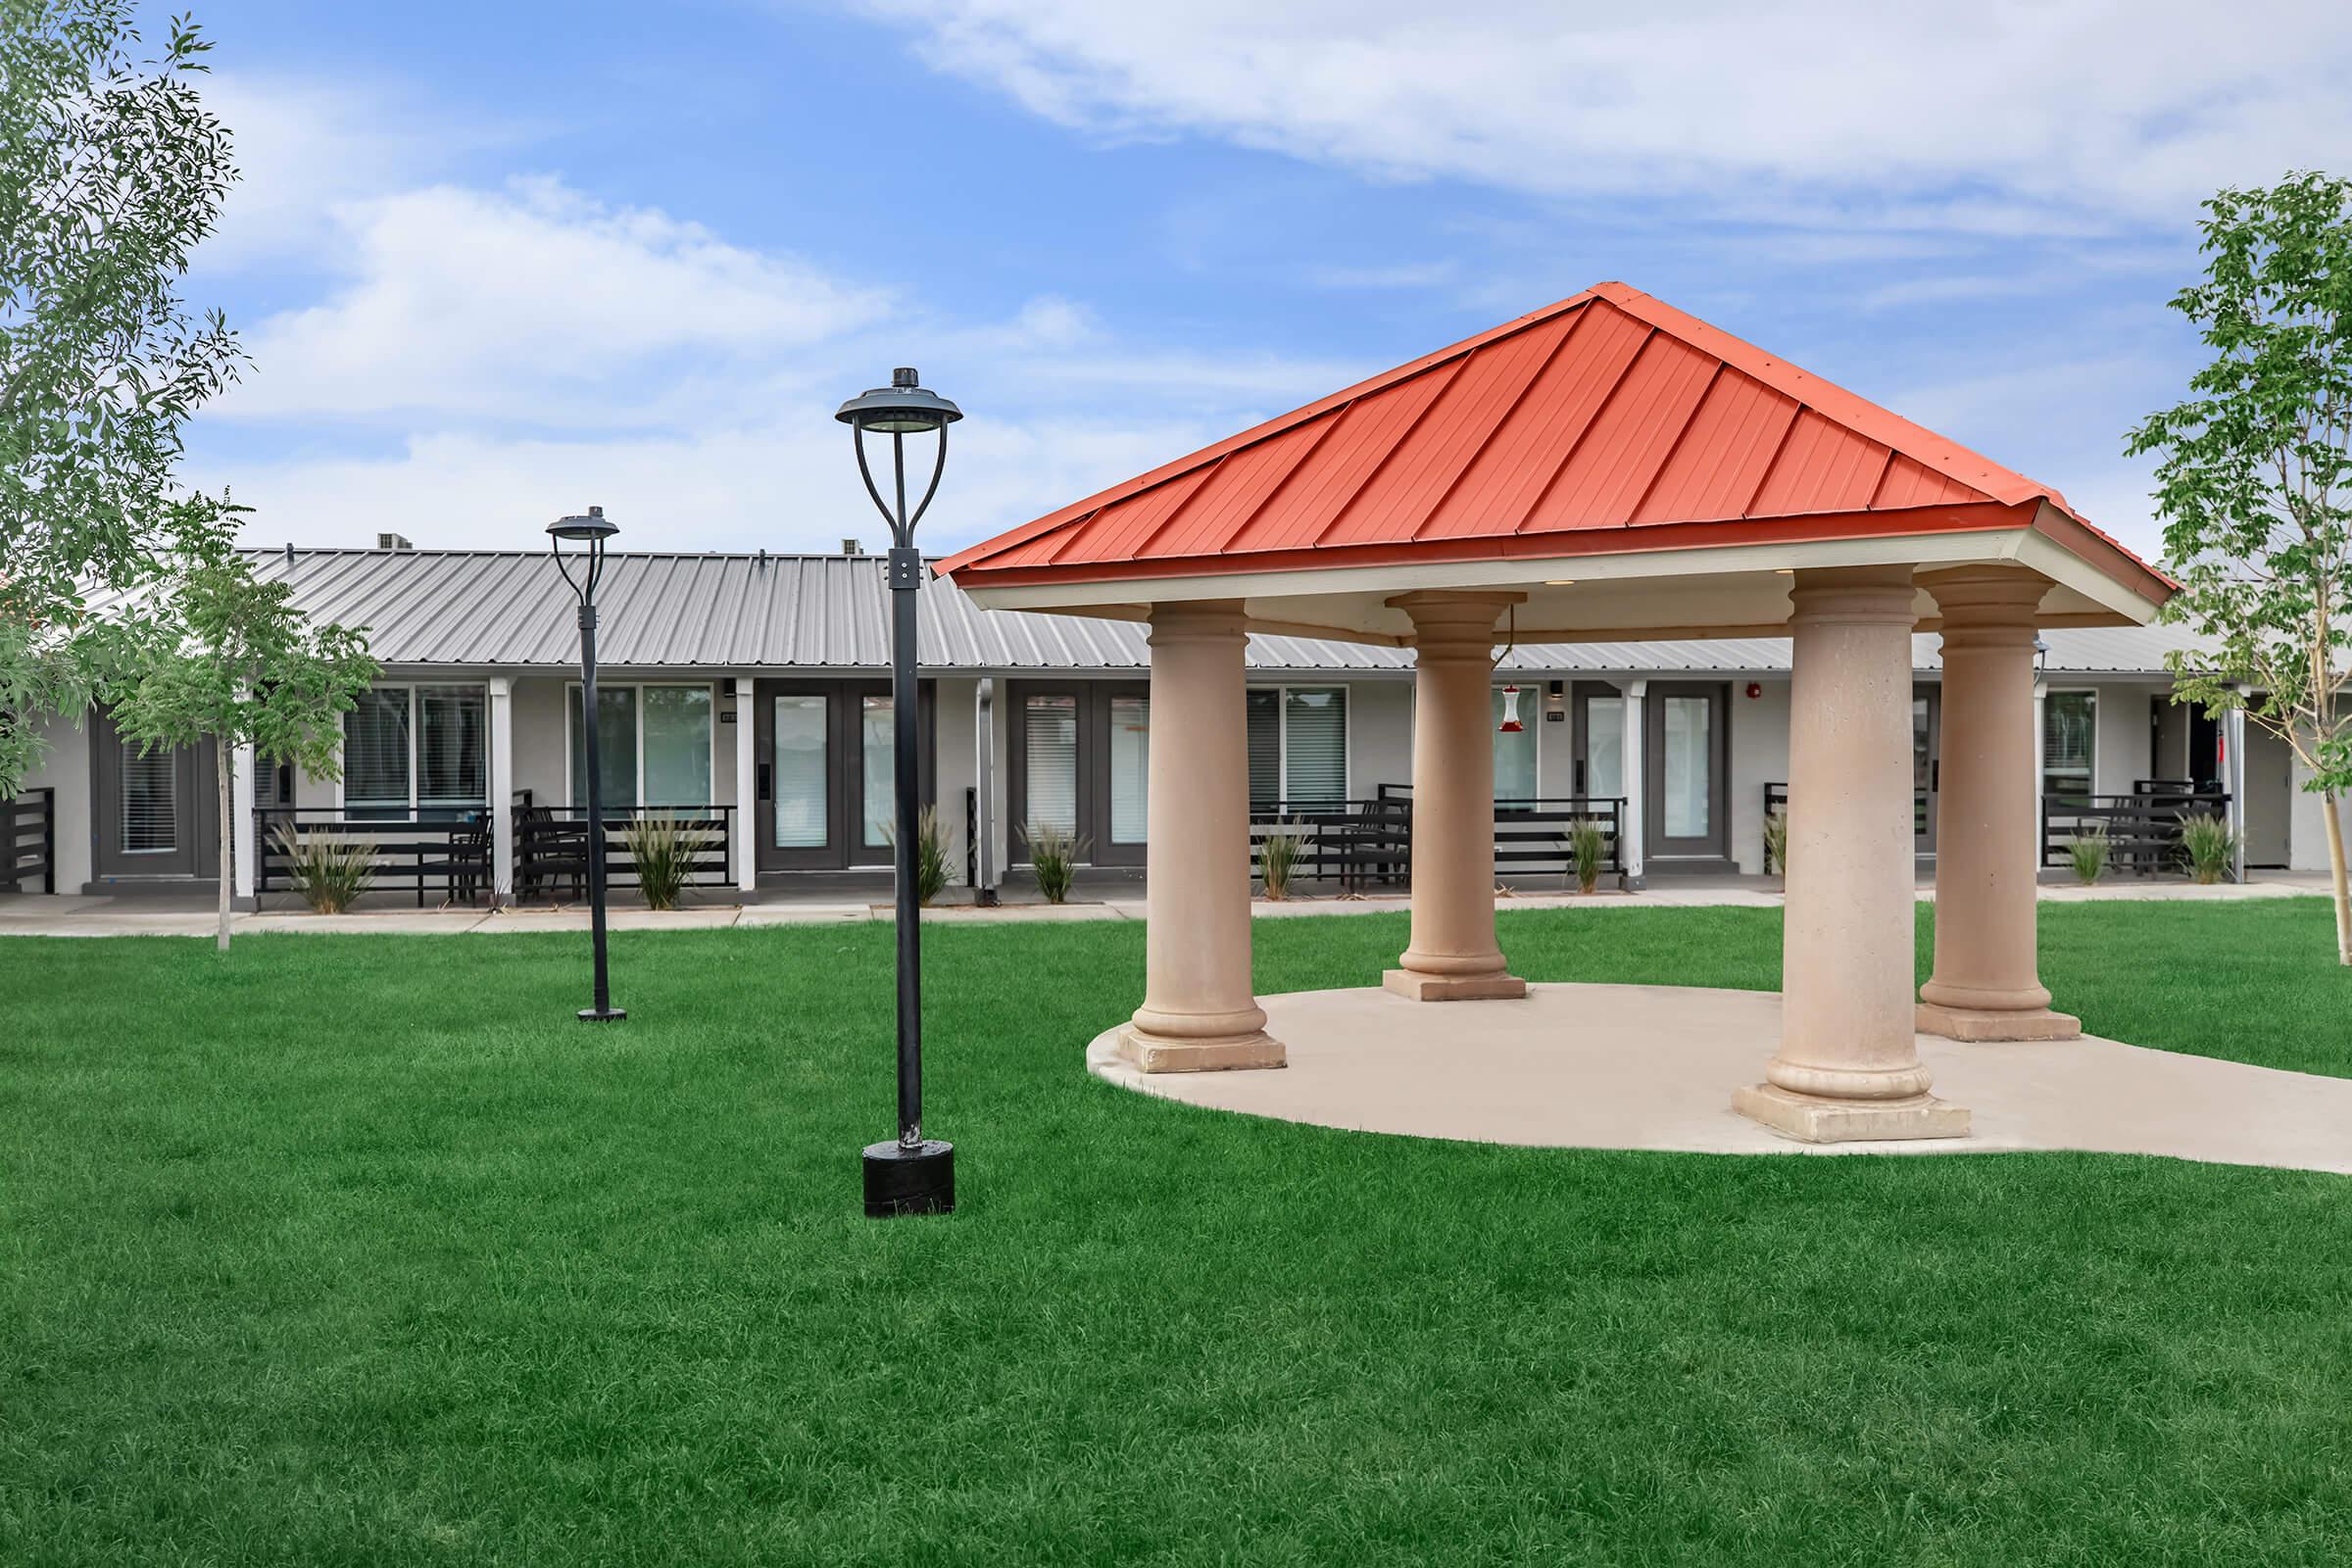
(1759,750)
(65,766)
(1555,743)
(1380,735)
(2307,825)
(542,740)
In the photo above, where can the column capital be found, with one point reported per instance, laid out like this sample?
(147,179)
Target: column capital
(1454,624)
(1990,598)
(1858,595)
(1186,620)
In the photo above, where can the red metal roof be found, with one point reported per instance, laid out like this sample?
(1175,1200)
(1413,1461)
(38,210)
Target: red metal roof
(1608,421)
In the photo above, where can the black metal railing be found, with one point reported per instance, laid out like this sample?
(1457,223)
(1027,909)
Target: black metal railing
(1355,841)
(447,851)
(2143,829)
(551,847)
(29,842)
(1776,798)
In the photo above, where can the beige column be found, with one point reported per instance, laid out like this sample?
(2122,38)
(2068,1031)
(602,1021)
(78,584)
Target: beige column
(1453,956)
(1198,1014)
(1985,986)
(1849,1066)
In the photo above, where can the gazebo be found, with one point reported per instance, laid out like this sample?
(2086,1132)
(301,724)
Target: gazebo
(1608,469)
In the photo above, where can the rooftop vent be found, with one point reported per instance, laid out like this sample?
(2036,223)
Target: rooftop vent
(393,541)
(853,546)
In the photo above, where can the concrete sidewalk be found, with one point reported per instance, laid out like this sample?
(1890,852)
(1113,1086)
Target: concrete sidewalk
(1115,899)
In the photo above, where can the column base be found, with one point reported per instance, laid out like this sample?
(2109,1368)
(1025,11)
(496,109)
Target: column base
(1420,987)
(1813,1120)
(1996,1023)
(1150,1053)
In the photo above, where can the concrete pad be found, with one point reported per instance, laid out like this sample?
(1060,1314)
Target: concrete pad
(1006,913)
(1605,1066)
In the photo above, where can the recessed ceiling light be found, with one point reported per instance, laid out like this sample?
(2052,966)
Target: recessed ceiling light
(1784,571)
(1560,582)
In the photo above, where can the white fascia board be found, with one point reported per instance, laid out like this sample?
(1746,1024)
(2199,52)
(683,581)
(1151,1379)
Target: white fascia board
(1920,549)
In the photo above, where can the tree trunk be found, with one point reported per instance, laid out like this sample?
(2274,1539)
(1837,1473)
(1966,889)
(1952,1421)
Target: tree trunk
(2331,815)
(223,754)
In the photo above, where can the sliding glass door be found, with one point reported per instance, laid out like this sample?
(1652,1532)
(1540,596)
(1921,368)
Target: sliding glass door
(1081,764)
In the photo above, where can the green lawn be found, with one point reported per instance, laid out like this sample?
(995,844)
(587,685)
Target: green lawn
(360,1251)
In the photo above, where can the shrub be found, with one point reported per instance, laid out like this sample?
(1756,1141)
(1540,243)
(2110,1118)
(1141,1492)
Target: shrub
(664,850)
(1588,851)
(1776,843)
(1277,857)
(2209,846)
(331,870)
(2089,853)
(933,864)
(1054,856)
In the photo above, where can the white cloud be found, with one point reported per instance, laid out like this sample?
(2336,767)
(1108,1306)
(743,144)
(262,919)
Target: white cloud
(533,301)
(2007,117)
(789,484)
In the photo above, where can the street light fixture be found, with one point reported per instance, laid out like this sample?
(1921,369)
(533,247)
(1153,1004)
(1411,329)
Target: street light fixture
(590,534)
(910,1174)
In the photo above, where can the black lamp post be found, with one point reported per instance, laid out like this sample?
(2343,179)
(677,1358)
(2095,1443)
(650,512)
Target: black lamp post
(910,1174)
(590,533)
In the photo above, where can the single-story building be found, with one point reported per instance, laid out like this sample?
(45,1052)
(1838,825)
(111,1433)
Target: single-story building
(761,678)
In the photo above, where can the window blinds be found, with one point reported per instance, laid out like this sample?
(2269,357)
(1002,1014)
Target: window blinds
(800,765)
(1264,711)
(677,746)
(451,749)
(150,799)
(375,752)
(1051,754)
(1315,744)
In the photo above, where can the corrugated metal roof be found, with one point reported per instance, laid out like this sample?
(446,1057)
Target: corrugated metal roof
(1566,431)
(719,613)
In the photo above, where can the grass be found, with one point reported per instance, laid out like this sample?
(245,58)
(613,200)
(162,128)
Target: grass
(360,1251)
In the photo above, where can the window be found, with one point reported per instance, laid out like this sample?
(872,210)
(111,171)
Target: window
(2070,733)
(1130,769)
(1049,747)
(653,746)
(1298,747)
(1515,752)
(876,737)
(1688,765)
(801,773)
(416,752)
(1604,747)
(150,799)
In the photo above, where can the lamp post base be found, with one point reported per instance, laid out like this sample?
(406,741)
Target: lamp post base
(602,1014)
(910,1181)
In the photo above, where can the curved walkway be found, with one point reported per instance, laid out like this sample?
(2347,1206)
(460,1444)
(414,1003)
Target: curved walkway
(1609,1066)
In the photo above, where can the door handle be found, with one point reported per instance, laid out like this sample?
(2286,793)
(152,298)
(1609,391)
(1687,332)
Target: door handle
(766,787)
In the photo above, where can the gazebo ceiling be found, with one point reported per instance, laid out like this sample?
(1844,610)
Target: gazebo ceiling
(1629,467)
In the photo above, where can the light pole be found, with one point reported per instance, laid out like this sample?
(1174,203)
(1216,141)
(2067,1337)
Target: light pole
(910,1174)
(590,533)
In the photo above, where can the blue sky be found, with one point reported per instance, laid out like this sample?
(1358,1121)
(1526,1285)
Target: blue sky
(497,261)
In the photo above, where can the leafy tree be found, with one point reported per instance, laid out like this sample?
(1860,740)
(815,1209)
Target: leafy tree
(2255,482)
(111,171)
(220,655)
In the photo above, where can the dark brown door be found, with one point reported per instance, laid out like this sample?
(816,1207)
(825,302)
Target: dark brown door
(154,814)
(1079,755)
(1684,765)
(822,752)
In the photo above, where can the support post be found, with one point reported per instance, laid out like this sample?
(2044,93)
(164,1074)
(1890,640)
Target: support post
(2042,773)
(1199,1014)
(244,828)
(502,790)
(1453,956)
(2233,775)
(747,790)
(1631,757)
(1848,1065)
(1986,984)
